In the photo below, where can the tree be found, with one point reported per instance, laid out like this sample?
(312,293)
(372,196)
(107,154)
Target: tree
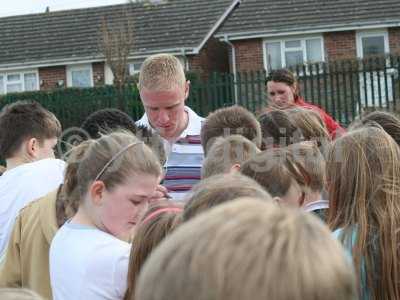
(116,43)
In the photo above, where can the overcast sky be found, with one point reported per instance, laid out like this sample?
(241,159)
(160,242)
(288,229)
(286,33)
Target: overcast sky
(21,7)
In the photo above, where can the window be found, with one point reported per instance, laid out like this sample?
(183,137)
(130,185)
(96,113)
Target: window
(291,52)
(80,76)
(372,43)
(13,82)
(134,67)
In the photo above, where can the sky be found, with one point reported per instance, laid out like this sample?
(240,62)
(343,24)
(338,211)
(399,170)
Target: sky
(21,7)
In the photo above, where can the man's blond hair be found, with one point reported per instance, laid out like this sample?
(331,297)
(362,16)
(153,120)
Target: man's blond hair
(248,249)
(161,72)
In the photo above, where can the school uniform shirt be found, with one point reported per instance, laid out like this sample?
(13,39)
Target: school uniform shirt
(23,184)
(87,263)
(26,260)
(184,157)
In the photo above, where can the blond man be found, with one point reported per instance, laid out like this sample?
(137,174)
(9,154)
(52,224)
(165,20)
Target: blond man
(164,89)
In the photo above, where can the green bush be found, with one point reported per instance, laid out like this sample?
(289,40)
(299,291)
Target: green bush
(73,105)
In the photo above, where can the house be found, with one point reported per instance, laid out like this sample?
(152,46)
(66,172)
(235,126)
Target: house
(269,34)
(61,49)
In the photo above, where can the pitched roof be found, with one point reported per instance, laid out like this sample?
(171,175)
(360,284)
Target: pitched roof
(74,34)
(271,17)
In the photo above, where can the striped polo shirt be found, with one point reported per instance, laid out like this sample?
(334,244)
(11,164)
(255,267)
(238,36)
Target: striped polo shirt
(184,157)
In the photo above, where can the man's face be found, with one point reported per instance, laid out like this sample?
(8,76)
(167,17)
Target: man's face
(166,110)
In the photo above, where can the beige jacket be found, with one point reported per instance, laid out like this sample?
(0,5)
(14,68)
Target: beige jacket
(26,260)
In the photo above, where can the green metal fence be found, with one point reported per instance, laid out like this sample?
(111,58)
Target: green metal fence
(343,88)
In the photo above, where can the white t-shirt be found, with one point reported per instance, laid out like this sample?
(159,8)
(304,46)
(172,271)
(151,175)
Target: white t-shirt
(87,263)
(23,184)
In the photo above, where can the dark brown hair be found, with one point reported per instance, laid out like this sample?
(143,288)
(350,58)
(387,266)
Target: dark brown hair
(282,75)
(218,189)
(152,229)
(24,120)
(228,121)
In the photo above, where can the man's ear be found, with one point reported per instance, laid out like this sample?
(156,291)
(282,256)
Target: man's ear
(31,148)
(187,89)
(96,191)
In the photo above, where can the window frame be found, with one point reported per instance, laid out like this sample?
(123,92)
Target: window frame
(72,68)
(360,34)
(284,49)
(21,80)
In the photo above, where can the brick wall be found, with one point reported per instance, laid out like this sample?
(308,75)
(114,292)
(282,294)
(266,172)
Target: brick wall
(212,58)
(249,55)
(340,45)
(98,73)
(394,40)
(50,76)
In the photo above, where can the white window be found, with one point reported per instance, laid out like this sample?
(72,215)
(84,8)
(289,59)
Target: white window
(290,52)
(134,67)
(372,43)
(19,81)
(80,76)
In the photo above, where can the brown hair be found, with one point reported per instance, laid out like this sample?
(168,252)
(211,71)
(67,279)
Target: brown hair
(158,222)
(68,197)
(114,157)
(308,155)
(23,120)
(311,127)
(278,129)
(226,152)
(228,121)
(218,189)
(161,72)
(388,121)
(248,249)
(284,76)
(275,169)
(363,180)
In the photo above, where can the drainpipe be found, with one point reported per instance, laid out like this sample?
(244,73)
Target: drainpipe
(186,62)
(226,40)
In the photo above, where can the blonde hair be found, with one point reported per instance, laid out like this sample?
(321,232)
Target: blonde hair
(18,294)
(363,180)
(226,152)
(161,72)
(114,157)
(248,249)
(218,189)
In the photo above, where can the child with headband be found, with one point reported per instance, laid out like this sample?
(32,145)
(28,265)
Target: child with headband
(89,255)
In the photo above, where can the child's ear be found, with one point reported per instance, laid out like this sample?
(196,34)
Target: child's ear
(31,147)
(96,191)
(235,168)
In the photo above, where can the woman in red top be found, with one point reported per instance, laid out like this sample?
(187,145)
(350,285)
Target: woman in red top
(282,90)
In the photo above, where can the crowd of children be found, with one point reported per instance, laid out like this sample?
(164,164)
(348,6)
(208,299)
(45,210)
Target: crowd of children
(282,205)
